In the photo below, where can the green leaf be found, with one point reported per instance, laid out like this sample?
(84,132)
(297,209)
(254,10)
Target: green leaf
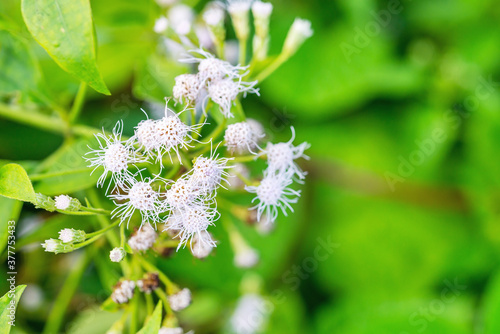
(15,183)
(65,30)
(8,304)
(10,209)
(20,71)
(152,325)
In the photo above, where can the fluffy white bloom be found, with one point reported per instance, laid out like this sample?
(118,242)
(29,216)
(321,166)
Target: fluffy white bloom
(250,315)
(192,221)
(143,239)
(211,69)
(62,202)
(202,244)
(51,245)
(264,226)
(161,25)
(187,88)
(224,92)
(257,129)
(239,137)
(145,134)
(114,155)
(209,173)
(281,157)
(181,194)
(166,3)
(181,18)
(246,257)
(180,300)
(204,36)
(273,193)
(123,291)
(117,254)
(138,195)
(298,33)
(68,235)
(214,16)
(234,181)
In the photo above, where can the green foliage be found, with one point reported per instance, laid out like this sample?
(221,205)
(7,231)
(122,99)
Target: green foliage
(8,305)
(65,30)
(15,183)
(153,324)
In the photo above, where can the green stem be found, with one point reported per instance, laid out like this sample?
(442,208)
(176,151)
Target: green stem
(271,68)
(171,286)
(87,242)
(90,235)
(133,314)
(94,210)
(78,103)
(66,293)
(163,296)
(36,177)
(243,51)
(43,122)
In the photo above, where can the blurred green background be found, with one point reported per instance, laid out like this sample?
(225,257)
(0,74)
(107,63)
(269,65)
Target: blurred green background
(400,101)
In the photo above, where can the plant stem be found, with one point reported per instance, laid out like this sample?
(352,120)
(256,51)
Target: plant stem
(78,103)
(94,210)
(243,51)
(163,296)
(43,122)
(66,293)
(90,235)
(171,287)
(87,242)
(36,177)
(271,68)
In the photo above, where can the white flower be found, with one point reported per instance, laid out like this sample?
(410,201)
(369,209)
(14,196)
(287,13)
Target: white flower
(234,181)
(281,156)
(264,226)
(273,194)
(209,173)
(214,16)
(262,10)
(181,18)
(145,134)
(239,137)
(167,330)
(182,194)
(187,88)
(202,244)
(62,202)
(69,235)
(191,221)
(114,155)
(161,25)
(257,129)
(139,195)
(298,33)
(250,315)
(180,300)
(224,92)
(143,239)
(173,134)
(166,3)
(211,69)
(123,291)
(246,257)
(117,254)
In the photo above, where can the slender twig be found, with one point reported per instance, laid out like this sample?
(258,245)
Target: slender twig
(78,103)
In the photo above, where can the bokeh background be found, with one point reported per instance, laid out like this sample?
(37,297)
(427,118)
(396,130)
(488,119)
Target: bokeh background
(400,102)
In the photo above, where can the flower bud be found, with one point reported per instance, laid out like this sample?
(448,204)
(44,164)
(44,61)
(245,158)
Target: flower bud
(246,258)
(180,300)
(67,203)
(298,33)
(44,202)
(69,235)
(261,12)
(149,283)
(117,254)
(214,19)
(239,12)
(161,25)
(123,291)
(57,246)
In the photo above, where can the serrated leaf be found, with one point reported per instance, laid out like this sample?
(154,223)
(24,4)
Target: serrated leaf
(8,305)
(15,183)
(64,28)
(152,325)
(20,72)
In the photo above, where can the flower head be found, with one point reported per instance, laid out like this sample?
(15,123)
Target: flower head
(181,194)
(212,69)
(123,291)
(143,239)
(192,221)
(139,195)
(246,257)
(181,18)
(57,246)
(250,316)
(239,12)
(214,16)
(240,137)
(149,282)
(273,193)
(224,92)
(187,88)
(281,156)
(202,244)
(114,155)
(62,202)
(70,235)
(117,254)
(180,300)
(161,25)
(209,173)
